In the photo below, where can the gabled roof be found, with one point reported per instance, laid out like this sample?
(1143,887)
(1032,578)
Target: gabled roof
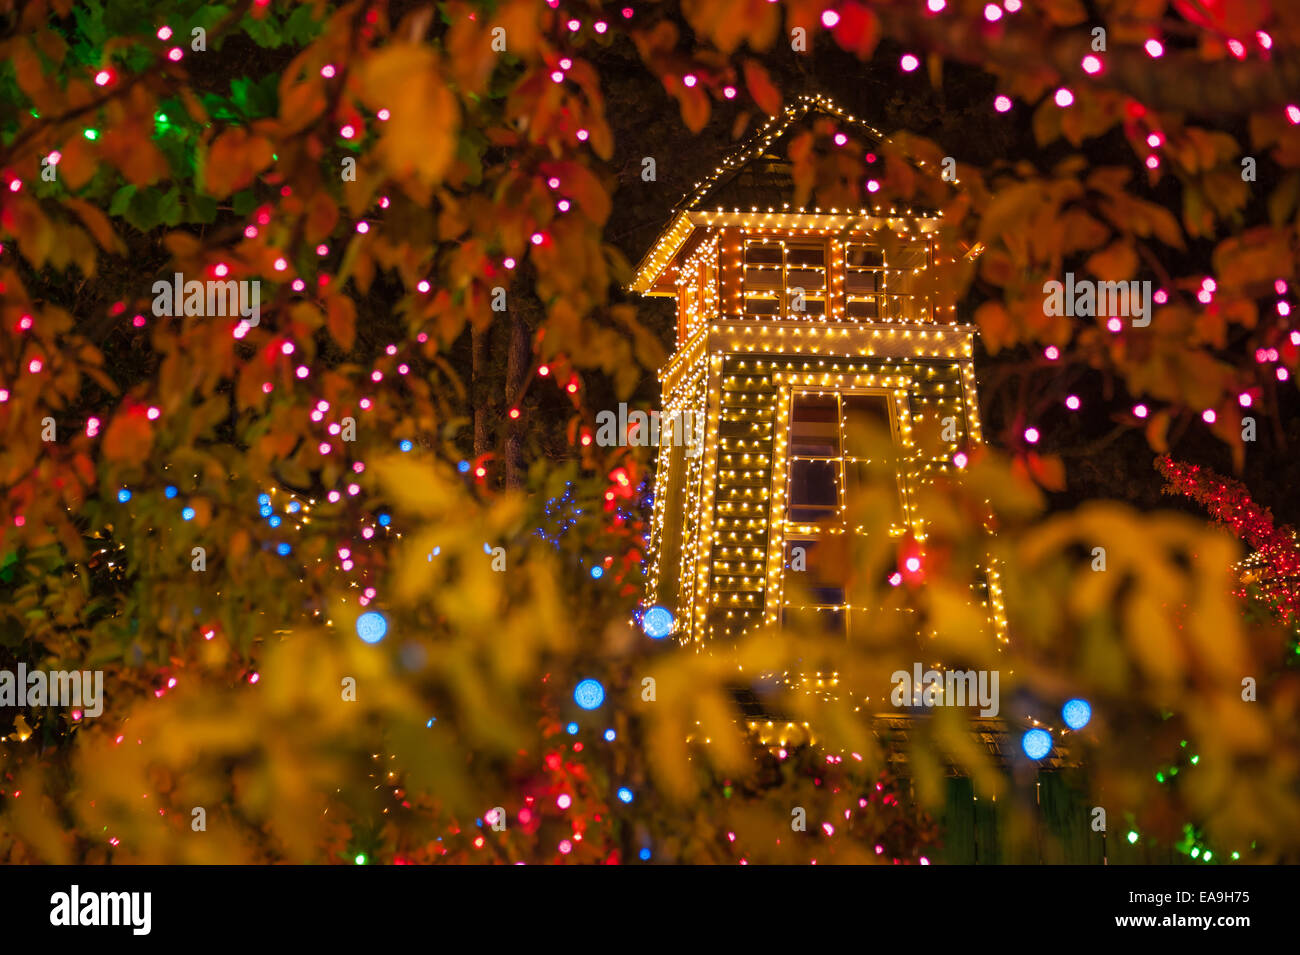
(758,173)
(756,177)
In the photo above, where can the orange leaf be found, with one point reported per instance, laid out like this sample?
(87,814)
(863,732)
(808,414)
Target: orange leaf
(322,216)
(767,96)
(129,437)
(581,183)
(695,108)
(232,160)
(1115,263)
(341,317)
(1048,471)
(98,224)
(78,163)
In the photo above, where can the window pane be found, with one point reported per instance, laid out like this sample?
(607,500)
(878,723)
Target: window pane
(861,255)
(814,572)
(866,410)
(797,255)
(859,477)
(763,252)
(861,282)
(893,307)
(814,494)
(815,426)
(904,283)
(806,278)
(866,425)
(910,257)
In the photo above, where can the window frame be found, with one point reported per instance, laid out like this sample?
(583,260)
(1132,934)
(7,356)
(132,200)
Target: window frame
(782,294)
(882,298)
(795,532)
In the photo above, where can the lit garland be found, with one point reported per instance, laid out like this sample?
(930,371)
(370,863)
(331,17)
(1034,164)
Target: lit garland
(1276,563)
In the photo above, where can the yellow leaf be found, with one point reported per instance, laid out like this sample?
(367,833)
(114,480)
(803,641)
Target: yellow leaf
(420,136)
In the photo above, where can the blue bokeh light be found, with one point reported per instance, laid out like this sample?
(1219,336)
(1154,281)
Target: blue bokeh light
(572,729)
(657,622)
(187,514)
(170,491)
(283,549)
(123,496)
(1076,713)
(371,626)
(624,794)
(589,694)
(610,736)
(274,520)
(385,520)
(597,572)
(463,467)
(644,855)
(1036,743)
(406,444)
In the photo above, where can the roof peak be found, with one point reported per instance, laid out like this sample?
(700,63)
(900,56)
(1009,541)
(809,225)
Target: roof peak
(767,135)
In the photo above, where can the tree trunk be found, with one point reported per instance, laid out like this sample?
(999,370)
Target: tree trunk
(478,386)
(517,366)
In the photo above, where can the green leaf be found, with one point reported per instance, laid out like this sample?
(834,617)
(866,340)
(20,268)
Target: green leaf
(301,27)
(143,210)
(169,207)
(202,208)
(244,202)
(265,33)
(256,99)
(121,199)
(90,22)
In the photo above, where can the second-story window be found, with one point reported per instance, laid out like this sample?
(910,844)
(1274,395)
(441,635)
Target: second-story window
(882,286)
(785,278)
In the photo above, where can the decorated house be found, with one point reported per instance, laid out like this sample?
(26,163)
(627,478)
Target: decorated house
(799,330)
(816,350)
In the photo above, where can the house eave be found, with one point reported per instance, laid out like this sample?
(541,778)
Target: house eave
(652,278)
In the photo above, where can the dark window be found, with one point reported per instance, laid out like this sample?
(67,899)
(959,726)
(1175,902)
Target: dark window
(839,444)
(814,490)
(815,426)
